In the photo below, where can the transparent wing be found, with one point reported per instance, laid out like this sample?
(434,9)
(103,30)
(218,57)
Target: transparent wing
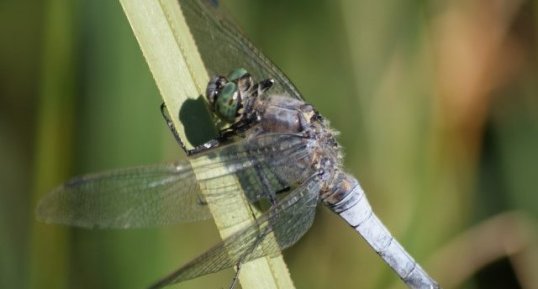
(263,165)
(170,193)
(132,197)
(224,48)
(288,220)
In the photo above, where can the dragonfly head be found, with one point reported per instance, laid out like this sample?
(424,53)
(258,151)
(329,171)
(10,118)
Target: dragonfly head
(231,96)
(224,94)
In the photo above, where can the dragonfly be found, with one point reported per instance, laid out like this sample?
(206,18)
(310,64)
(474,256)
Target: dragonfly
(281,150)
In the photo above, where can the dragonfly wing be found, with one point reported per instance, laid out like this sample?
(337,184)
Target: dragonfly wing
(216,35)
(133,197)
(288,221)
(264,165)
(169,193)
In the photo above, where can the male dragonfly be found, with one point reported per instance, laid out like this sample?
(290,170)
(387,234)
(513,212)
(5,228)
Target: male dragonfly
(279,148)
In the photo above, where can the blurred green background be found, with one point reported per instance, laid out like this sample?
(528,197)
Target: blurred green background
(436,102)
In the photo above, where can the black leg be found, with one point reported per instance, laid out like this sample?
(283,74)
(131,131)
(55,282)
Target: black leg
(203,147)
(171,126)
(223,136)
(264,85)
(258,241)
(236,276)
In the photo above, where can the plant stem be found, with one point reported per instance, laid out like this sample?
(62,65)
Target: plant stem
(177,67)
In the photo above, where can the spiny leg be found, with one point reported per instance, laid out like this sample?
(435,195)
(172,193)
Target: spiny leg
(264,85)
(170,124)
(236,276)
(258,241)
(213,143)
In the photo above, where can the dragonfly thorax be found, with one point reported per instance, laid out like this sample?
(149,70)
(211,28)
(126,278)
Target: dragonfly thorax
(252,112)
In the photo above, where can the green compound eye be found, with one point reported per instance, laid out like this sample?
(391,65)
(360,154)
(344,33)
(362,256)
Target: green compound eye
(227,102)
(237,73)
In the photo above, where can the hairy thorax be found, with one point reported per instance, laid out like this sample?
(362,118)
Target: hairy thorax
(281,114)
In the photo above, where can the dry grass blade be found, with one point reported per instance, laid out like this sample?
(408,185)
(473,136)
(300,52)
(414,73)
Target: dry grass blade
(511,235)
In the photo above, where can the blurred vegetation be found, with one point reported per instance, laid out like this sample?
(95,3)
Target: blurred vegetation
(436,102)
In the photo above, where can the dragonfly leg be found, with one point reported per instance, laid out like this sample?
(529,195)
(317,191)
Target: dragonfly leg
(171,126)
(236,276)
(197,149)
(204,147)
(264,85)
(256,243)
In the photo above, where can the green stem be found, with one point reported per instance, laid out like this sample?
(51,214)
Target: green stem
(177,67)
